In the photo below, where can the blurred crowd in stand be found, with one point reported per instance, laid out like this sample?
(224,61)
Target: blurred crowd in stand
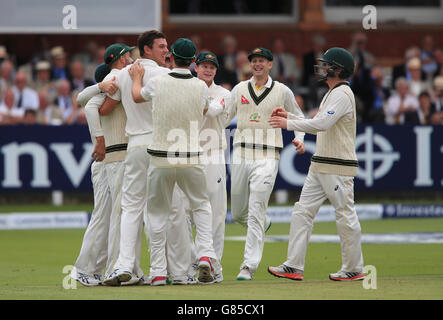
(43,90)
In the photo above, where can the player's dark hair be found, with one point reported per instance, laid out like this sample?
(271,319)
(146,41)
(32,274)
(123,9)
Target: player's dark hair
(147,39)
(182,63)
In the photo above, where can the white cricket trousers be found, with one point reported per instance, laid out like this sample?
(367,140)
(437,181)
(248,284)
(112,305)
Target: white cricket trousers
(340,191)
(161,183)
(252,182)
(133,205)
(93,253)
(180,240)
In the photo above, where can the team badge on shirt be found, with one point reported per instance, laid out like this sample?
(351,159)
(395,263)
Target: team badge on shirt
(244,100)
(330,112)
(255,117)
(223,103)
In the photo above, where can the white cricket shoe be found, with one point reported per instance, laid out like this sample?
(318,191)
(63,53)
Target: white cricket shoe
(117,277)
(132,282)
(283,271)
(218,277)
(245,274)
(86,280)
(184,281)
(145,281)
(347,276)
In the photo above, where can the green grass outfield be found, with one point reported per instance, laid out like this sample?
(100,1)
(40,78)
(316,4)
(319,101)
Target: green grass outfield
(32,261)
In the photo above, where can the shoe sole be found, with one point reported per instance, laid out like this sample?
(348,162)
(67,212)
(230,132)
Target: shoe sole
(117,280)
(204,274)
(296,276)
(131,282)
(356,278)
(113,282)
(158,283)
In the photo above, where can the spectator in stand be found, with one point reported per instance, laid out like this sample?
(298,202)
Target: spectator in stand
(416,84)
(9,114)
(401,70)
(24,96)
(64,100)
(310,59)
(77,115)
(78,80)
(364,58)
(438,94)
(30,117)
(428,63)
(7,74)
(243,67)
(227,72)
(3,54)
(60,69)
(87,55)
(363,90)
(438,54)
(284,69)
(427,112)
(43,77)
(402,107)
(378,97)
(48,113)
(98,59)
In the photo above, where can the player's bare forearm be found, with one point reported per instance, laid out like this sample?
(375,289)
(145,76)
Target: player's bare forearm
(99,152)
(136,88)
(299,146)
(107,106)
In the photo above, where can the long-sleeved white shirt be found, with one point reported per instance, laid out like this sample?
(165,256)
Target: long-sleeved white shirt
(139,115)
(339,106)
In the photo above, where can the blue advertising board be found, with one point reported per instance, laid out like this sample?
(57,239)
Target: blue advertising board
(390,158)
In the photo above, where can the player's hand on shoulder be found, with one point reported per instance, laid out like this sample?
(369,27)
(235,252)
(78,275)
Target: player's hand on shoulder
(136,71)
(299,146)
(110,86)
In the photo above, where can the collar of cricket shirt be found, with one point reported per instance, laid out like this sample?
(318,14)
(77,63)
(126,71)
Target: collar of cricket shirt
(268,83)
(181,73)
(148,62)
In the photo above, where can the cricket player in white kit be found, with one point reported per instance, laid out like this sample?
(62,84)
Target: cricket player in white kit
(153,50)
(91,262)
(112,127)
(331,174)
(178,103)
(256,152)
(213,143)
